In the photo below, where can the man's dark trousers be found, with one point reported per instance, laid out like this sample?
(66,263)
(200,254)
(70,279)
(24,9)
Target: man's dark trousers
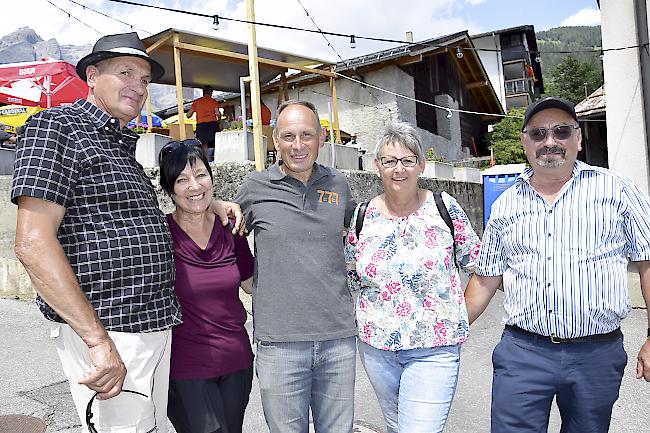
(530,370)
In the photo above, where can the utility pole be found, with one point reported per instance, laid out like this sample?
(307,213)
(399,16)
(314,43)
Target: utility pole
(254,75)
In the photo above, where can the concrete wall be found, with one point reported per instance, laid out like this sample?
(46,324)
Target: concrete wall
(371,110)
(227,179)
(228,146)
(627,129)
(7,158)
(148,147)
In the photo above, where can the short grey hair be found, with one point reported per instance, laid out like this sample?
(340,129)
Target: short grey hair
(291,102)
(404,134)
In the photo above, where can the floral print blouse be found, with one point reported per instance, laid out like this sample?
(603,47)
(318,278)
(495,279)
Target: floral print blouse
(410,293)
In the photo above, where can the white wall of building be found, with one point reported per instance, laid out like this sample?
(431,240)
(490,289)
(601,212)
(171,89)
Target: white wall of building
(493,63)
(369,120)
(627,131)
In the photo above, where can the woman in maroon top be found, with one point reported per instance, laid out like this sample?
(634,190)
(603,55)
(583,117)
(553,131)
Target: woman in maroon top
(212,361)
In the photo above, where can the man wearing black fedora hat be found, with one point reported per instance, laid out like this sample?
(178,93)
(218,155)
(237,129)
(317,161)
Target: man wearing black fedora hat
(559,240)
(95,244)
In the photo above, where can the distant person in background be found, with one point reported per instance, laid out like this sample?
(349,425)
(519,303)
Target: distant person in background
(265,112)
(362,149)
(7,139)
(211,360)
(207,118)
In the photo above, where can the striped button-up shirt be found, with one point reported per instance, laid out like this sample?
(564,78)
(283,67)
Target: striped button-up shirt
(564,264)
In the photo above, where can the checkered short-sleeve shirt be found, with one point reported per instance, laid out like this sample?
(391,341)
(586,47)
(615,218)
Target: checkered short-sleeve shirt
(113,233)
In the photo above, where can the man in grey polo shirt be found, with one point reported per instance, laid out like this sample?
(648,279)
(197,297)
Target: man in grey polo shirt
(303,312)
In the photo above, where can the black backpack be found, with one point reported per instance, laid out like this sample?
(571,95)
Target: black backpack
(442,210)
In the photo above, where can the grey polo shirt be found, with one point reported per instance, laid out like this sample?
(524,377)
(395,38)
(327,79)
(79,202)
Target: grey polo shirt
(300,291)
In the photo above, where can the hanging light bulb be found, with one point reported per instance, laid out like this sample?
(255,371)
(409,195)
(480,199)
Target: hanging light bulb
(459,53)
(215,22)
(602,55)
(538,58)
(353,42)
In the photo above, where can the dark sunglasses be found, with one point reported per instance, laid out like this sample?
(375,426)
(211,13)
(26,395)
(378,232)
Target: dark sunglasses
(89,413)
(173,145)
(560,132)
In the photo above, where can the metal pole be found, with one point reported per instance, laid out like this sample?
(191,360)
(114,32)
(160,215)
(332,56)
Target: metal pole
(242,94)
(48,94)
(333,152)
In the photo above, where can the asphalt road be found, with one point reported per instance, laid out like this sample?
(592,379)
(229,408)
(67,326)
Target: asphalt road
(32,383)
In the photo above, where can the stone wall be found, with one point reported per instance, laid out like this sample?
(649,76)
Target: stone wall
(227,179)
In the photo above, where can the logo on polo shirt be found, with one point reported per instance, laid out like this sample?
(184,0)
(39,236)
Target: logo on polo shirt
(329,197)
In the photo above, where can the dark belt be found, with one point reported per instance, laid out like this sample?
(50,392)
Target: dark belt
(610,336)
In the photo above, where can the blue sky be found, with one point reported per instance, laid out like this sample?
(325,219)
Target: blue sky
(377,18)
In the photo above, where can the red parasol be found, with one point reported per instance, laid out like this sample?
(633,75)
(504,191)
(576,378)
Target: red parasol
(47,83)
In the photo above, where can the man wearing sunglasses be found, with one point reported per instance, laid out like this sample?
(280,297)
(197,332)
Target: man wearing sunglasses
(559,240)
(95,244)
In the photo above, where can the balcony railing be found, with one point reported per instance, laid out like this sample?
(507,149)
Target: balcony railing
(521,85)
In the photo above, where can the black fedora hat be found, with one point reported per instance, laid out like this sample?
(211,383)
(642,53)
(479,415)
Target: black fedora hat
(546,103)
(123,44)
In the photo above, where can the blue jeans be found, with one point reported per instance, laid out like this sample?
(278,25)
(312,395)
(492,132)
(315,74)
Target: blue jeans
(414,387)
(584,378)
(294,376)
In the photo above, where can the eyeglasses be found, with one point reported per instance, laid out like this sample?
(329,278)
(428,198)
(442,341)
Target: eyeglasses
(391,161)
(89,413)
(560,132)
(173,145)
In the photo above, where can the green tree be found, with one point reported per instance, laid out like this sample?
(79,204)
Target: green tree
(578,40)
(569,77)
(504,139)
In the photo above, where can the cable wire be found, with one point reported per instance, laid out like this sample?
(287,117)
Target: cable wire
(337,53)
(350,102)
(108,16)
(367,38)
(447,109)
(72,16)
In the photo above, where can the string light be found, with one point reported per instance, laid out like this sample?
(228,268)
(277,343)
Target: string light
(538,58)
(459,53)
(346,63)
(367,38)
(215,22)
(353,42)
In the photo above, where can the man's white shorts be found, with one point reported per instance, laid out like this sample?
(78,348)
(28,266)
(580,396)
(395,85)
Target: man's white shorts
(146,356)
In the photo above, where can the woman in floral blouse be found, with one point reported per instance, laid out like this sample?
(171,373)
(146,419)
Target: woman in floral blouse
(411,314)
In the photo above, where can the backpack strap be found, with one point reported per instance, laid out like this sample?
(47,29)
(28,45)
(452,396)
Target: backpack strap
(361,214)
(444,213)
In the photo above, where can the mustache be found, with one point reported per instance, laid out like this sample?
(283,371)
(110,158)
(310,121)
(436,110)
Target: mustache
(548,150)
